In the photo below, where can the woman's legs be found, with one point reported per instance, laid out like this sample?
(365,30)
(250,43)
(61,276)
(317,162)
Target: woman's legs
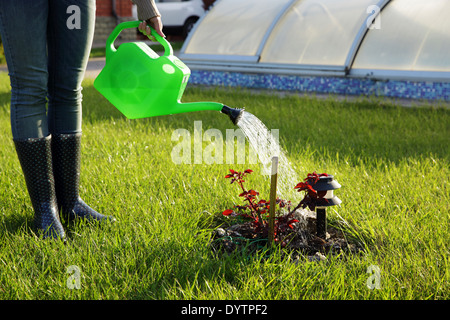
(47,57)
(30,30)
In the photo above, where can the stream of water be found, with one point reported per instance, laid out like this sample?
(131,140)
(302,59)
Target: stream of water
(266,147)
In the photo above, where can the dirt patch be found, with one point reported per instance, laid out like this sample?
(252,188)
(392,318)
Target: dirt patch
(299,241)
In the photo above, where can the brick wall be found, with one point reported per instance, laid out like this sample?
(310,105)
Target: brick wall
(207,3)
(105,8)
(106,21)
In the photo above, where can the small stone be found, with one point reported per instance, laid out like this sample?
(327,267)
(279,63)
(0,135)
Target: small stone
(220,232)
(317,257)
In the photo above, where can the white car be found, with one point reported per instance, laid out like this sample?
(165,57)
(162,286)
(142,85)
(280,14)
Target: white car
(180,15)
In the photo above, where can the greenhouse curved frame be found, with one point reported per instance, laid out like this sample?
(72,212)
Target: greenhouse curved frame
(339,47)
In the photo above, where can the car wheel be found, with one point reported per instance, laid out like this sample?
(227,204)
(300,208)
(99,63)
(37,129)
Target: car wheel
(188,25)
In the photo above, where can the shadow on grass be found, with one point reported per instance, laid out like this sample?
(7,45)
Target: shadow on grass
(192,273)
(17,223)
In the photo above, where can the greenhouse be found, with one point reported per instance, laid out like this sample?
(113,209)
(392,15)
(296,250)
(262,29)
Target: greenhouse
(396,48)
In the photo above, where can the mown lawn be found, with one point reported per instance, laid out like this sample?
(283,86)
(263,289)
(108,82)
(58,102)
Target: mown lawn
(392,162)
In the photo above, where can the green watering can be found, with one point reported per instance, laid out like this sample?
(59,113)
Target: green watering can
(141,84)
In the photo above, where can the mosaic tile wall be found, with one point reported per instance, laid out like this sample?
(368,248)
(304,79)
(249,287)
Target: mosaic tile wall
(334,85)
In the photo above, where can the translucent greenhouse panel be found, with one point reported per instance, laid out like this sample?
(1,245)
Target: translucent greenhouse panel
(414,35)
(316,32)
(234,27)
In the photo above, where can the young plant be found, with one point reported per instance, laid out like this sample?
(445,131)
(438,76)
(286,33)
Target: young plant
(257,211)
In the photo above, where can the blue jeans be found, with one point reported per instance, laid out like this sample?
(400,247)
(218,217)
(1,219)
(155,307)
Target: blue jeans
(47,45)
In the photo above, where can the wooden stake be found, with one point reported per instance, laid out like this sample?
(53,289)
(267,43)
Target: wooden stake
(273,198)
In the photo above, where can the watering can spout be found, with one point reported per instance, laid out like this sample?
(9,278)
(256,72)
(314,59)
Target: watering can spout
(234,114)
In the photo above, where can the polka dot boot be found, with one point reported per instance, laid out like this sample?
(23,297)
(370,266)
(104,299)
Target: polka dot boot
(66,151)
(35,158)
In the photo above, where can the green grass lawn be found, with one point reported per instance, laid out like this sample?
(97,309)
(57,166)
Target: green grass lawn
(392,162)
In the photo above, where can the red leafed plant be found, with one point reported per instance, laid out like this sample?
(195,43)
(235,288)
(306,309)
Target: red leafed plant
(249,195)
(312,197)
(257,211)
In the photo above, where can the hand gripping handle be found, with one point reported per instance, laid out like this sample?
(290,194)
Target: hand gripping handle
(168,51)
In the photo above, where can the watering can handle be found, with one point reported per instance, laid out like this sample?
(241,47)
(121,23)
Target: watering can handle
(168,51)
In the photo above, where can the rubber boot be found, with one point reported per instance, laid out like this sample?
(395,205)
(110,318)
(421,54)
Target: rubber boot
(66,152)
(35,157)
